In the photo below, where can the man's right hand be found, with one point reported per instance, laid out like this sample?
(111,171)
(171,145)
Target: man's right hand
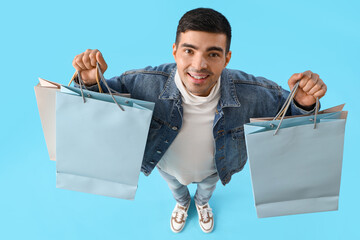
(85,63)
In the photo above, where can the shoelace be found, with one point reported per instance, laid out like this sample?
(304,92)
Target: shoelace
(204,213)
(179,214)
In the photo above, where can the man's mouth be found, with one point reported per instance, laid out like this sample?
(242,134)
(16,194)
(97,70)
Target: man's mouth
(198,77)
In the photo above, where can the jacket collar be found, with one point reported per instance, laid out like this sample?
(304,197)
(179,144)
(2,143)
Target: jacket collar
(170,91)
(227,88)
(228,91)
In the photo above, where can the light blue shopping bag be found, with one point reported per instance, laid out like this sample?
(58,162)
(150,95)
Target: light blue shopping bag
(99,142)
(295,163)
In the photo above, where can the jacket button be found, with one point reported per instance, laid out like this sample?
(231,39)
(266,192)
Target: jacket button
(158,151)
(174,128)
(152,162)
(166,141)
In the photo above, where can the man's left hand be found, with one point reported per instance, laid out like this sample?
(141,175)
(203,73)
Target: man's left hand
(310,87)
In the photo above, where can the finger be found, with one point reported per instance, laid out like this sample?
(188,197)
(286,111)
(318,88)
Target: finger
(101,61)
(311,82)
(79,62)
(317,87)
(92,57)
(293,79)
(314,89)
(86,59)
(75,65)
(320,93)
(304,80)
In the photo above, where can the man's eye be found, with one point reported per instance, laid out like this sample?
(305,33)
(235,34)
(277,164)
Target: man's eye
(214,55)
(189,51)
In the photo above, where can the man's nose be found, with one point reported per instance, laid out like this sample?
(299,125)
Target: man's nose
(199,62)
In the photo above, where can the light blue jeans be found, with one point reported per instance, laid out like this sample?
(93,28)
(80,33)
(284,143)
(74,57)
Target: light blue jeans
(204,190)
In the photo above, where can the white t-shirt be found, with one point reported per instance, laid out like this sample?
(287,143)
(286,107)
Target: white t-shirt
(190,158)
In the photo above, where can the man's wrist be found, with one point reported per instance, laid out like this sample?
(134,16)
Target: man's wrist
(76,80)
(306,108)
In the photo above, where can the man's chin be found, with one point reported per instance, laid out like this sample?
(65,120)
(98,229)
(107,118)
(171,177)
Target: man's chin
(198,91)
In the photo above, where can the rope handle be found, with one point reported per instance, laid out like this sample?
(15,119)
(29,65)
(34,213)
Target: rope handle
(107,86)
(97,78)
(98,74)
(286,106)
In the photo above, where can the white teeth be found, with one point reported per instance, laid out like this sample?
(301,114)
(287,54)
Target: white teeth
(198,77)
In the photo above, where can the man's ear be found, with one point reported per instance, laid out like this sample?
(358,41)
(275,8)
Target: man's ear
(174,49)
(227,58)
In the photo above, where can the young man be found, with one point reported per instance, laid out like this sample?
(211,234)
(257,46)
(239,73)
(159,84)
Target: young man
(196,134)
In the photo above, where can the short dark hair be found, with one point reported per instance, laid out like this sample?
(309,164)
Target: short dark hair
(206,20)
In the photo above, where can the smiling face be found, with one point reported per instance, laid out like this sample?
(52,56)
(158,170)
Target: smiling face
(200,58)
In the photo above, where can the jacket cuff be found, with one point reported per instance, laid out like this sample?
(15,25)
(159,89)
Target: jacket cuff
(93,88)
(302,110)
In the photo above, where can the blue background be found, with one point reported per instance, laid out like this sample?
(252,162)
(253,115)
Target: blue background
(270,38)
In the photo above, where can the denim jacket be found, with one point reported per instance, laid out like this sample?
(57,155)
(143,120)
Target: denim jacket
(243,96)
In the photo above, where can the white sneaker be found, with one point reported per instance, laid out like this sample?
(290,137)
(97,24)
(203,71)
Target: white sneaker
(178,217)
(206,218)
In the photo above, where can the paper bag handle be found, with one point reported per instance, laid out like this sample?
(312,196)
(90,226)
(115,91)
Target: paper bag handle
(106,85)
(98,73)
(286,105)
(97,78)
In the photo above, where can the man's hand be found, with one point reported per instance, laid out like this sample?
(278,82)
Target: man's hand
(85,63)
(310,87)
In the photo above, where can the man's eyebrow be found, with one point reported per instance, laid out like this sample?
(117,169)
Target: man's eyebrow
(214,48)
(189,46)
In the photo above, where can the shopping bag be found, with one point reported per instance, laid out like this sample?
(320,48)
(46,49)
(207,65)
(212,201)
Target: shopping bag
(100,141)
(295,163)
(45,92)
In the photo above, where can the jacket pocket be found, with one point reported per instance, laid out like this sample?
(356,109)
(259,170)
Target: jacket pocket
(238,142)
(155,126)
